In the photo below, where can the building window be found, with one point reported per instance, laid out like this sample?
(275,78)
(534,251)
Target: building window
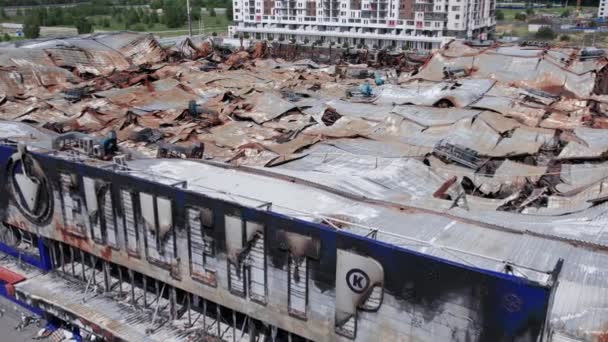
(457,16)
(455,8)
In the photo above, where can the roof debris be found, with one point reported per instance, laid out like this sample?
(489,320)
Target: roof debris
(479,132)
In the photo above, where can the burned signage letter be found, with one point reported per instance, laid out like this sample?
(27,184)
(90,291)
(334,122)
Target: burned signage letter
(300,248)
(246,258)
(157,224)
(359,281)
(202,245)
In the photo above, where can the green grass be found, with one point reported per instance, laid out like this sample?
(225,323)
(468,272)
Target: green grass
(513,30)
(17,20)
(14,39)
(510,13)
(217,24)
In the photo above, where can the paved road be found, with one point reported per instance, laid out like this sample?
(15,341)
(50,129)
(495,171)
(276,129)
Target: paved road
(10,319)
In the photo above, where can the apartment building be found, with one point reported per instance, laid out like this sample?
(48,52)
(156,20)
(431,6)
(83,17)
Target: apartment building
(602,10)
(411,24)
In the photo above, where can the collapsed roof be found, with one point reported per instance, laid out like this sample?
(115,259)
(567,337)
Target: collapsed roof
(508,142)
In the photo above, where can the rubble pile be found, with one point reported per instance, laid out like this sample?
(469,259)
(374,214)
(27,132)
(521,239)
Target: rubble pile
(507,128)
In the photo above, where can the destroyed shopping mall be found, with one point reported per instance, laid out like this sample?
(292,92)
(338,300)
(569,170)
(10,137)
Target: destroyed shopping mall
(202,192)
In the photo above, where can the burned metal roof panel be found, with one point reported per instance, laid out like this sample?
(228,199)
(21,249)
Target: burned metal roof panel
(523,114)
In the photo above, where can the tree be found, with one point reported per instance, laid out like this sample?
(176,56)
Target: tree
(156,4)
(83,25)
(138,27)
(592,24)
(545,32)
(521,16)
(56,16)
(31,27)
(229,11)
(530,12)
(6,37)
(195,13)
(211,11)
(69,19)
(154,17)
(105,22)
(565,13)
(3,13)
(146,18)
(173,16)
(132,17)
(214,34)
(140,13)
(564,38)
(19,13)
(500,15)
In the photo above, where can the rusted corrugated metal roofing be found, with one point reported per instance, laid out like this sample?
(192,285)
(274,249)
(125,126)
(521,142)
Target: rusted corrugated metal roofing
(530,117)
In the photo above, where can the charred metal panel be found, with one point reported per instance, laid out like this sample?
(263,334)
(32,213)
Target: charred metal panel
(298,287)
(256,262)
(299,248)
(157,228)
(109,218)
(234,245)
(202,254)
(129,223)
(72,204)
(92,203)
(299,271)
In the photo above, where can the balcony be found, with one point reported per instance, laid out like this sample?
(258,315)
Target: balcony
(435,16)
(367,35)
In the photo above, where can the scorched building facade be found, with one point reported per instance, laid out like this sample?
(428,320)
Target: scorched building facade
(410,24)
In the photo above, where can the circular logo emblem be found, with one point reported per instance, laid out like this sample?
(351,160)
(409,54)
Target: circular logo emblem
(29,188)
(512,302)
(357,280)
